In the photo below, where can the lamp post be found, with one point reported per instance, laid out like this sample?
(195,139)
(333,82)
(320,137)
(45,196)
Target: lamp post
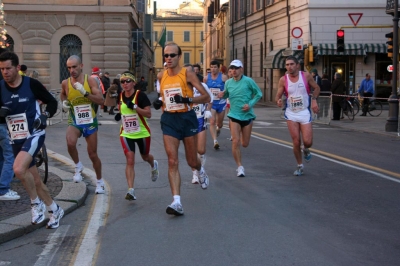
(392,121)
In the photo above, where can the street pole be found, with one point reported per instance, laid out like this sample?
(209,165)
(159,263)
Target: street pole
(392,121)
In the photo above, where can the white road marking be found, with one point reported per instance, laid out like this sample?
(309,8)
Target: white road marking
(54,241)
(335,161)
(90,243)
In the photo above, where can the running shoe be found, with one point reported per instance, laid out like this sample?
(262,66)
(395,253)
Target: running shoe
(307,154)
(10,195)
(154,172)
(204,180)
(195,178)
(100,188)
(55,218)
(130,195)
(216,145)
(38,210)
(299,171)
(240,171)
(203,159)
(175,209)
(218,131)
(78,174)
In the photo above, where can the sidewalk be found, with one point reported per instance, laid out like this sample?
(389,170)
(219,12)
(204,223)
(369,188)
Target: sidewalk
(15,216)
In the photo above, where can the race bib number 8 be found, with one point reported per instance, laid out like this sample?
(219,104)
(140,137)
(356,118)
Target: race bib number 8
(170,103)
(130,123)
(215,92)
(296,103)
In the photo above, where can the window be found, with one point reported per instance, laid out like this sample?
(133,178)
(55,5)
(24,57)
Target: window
(170,36)
(156,36)
(201,36)
(269,2)
(261,58)
(201,57)
(70,44)
(251,61)
(9,43)
(140,7)
(186,36)
(259,4)
(186,58)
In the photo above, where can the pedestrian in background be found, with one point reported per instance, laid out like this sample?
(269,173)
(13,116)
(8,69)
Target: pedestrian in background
(22,70)
(316,77)
(366,89)
(111,97)
(338,87)
(106,83)
(197,68)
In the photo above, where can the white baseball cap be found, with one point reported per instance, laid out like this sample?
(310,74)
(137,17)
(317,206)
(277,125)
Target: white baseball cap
(236,63)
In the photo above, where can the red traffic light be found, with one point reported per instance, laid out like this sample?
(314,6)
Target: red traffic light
(340,33)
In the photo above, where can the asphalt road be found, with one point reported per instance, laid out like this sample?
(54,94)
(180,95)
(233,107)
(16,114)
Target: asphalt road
(343,211)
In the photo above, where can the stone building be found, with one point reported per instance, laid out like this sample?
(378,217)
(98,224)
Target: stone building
(261,35)
(44,33)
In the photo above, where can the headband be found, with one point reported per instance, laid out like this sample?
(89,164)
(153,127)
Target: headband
(128,75)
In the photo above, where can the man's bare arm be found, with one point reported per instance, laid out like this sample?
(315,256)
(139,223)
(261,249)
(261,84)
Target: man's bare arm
(64,86)
(279,93)
(192,78)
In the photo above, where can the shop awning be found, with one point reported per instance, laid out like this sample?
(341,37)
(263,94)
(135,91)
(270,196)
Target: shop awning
(350,49)
(375,48)
(276,58)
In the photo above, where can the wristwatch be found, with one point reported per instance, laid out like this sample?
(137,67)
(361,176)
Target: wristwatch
(190,100)
(86,94)
(313,98)
(134,106)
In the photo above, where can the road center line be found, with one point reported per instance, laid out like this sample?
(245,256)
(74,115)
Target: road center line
(383,173)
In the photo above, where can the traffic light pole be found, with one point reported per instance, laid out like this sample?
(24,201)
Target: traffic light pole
(392,121)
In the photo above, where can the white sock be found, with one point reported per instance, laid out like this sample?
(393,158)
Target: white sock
(300,165)
(215,141)
(131,188)
(53,206)
(35,201)
(78,165)
(100,181)
(177,199)
(195,172)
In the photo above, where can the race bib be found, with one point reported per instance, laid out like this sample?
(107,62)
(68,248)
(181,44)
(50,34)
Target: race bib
(83,114)
(215,92)
(296,103)
(130,123)
(18,126)
(198,107)
(170,103)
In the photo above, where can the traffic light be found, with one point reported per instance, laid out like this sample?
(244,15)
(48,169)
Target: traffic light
(306,57)
(389,44)
(310,53)
(340,41)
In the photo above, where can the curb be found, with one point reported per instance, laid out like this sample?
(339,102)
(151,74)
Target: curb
(71,196)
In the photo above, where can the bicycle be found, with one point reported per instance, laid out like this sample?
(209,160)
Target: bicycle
(374,107)
(347,107)
(42,163)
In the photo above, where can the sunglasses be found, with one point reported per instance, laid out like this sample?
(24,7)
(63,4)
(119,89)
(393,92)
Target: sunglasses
(170,55)
(126,81)
(233,67)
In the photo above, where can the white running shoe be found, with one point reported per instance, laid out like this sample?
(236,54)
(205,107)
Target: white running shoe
(240,171)
(175,209)
(55,218)
(100,188)
(204,180)
(10,195)
(299,170)
(130,195)
(203,159)
(216,145)
(78,174)
(154,172)
(195,179)
(38,210)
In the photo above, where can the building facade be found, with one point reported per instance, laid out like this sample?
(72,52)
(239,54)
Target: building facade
(261,36)
(44,33)
(184,26)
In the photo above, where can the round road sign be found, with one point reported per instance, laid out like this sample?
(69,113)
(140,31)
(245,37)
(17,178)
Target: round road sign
(297,32)
(390,68)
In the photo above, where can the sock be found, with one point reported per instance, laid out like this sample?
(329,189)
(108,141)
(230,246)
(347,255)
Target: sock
(131,188)
(300,165)
(35,201)
(177,199)
(100,181)
(78,165)
(201,171)
(195,172)
(53,206)
(215,141)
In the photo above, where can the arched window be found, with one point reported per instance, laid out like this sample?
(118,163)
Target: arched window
(70,44)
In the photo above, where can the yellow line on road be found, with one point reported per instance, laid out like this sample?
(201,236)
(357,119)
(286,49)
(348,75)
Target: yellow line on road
(336,157)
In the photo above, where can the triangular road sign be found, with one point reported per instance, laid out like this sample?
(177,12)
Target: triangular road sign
(355,18)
